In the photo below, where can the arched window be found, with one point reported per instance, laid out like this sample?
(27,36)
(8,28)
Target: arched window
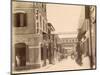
(20,19)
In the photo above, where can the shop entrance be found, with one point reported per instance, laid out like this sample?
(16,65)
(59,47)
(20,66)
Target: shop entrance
(20,54)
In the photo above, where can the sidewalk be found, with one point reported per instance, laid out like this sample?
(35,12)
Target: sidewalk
(41,69)
(65,64)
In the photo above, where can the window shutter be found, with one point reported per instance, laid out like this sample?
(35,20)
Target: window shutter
(87,11)
(17,20)
(25,19)
(15,23)
(20,19)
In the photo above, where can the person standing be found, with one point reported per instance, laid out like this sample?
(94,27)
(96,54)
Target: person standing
(79,54)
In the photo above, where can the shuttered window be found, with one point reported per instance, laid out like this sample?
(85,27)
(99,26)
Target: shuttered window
(20,20)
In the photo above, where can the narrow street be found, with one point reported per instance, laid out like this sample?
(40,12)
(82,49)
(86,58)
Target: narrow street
(45,41)
(69,64)
(65,64)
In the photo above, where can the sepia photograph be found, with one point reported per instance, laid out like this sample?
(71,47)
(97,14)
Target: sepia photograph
(52,37)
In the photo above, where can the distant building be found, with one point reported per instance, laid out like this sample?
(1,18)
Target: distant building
(69,45)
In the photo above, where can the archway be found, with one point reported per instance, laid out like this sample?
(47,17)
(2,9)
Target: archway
(20,54)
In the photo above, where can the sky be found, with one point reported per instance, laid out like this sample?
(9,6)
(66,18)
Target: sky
(64,18)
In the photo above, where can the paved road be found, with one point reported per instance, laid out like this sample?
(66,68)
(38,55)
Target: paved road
(70,64)
(65,64)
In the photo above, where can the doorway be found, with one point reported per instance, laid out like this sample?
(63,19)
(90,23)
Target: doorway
(20,54)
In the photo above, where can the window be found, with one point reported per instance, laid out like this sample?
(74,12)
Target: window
(40,21)
(45,8)
(43,26)
(37,27)
(20,19)
(37,13)
(42,5)
(37,17)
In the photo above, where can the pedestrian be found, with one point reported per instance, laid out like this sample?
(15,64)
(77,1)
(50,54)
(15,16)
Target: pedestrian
(17,61)
(79,54)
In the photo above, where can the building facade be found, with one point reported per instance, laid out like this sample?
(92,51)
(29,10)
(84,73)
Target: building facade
(69,46)
(87,34)
(53,45)
(29,35)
